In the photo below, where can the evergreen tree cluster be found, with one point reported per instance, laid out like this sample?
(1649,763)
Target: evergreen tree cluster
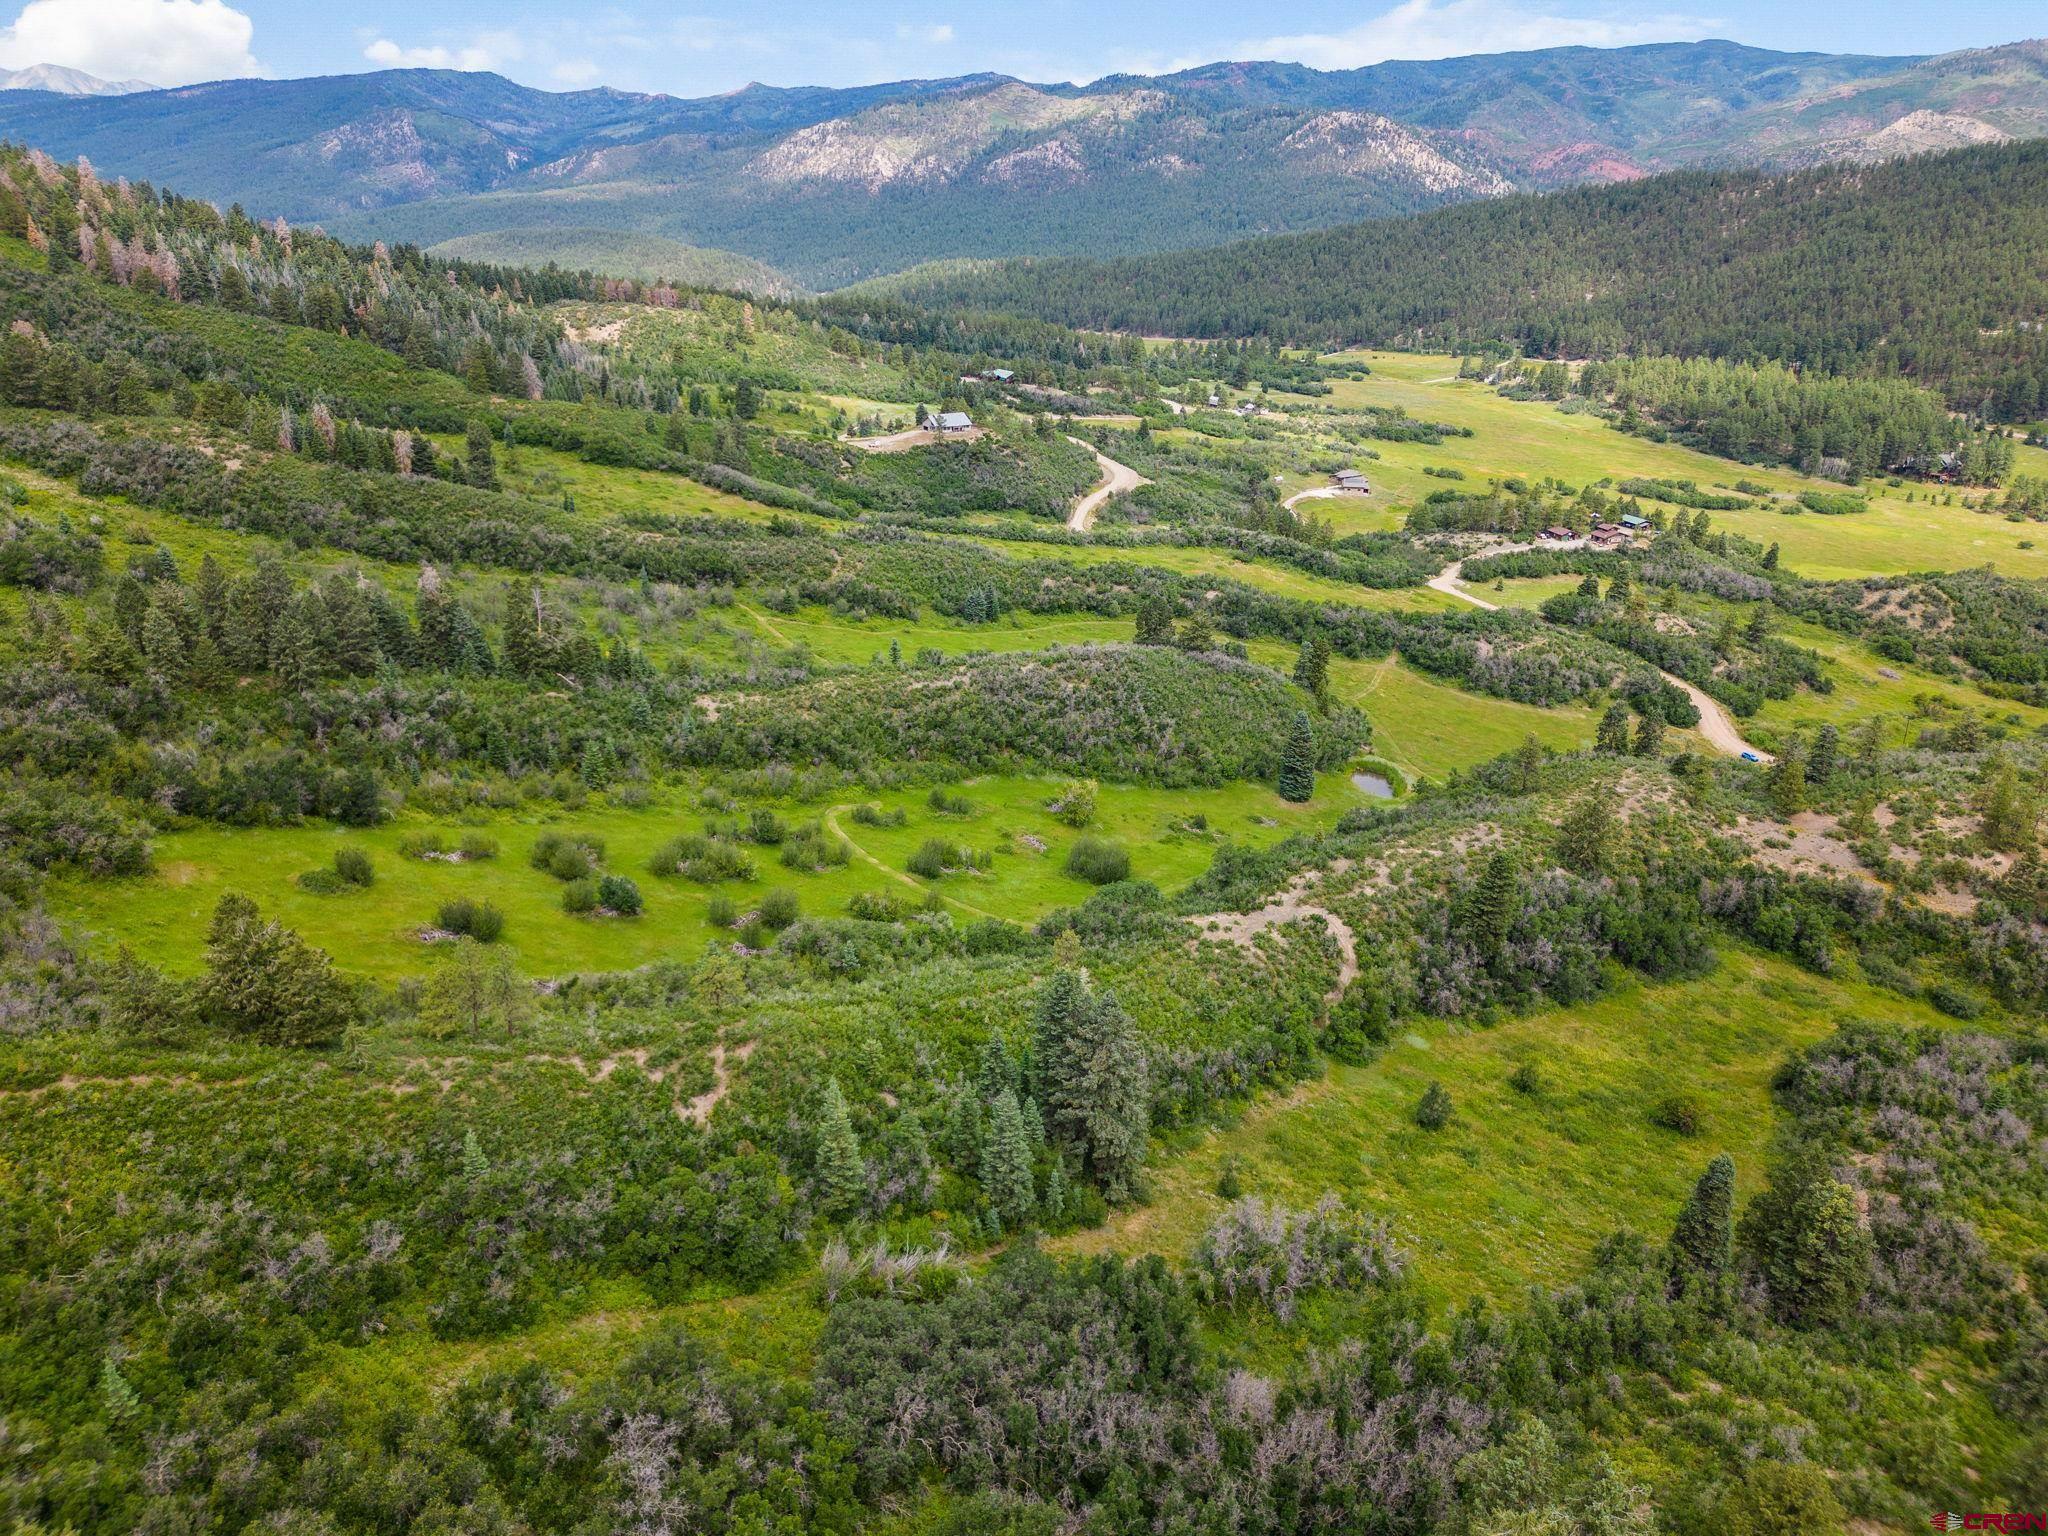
(1920,268)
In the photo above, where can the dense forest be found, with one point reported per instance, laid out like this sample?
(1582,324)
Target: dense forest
(1924,268)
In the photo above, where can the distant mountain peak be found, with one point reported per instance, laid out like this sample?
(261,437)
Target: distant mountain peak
(65,81)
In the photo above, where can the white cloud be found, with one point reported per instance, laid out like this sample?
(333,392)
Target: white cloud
(1442,29)
(577,72)
(934,35)
(488,50)
(167,42)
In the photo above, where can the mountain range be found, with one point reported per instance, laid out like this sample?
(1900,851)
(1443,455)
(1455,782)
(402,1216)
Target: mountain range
(65,81)
(833,185)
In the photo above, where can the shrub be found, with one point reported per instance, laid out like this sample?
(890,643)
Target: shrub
(569,862)
(477,920)
(1275,1254)
(706,860)
(476,846)
(723,912)
(422,845)
(1230,1181)
(1434,1112)
(1526,1080)
(1359,1023)
(321,882)
(933,858)
(872,815)
(1098,861)
(1680,1112)
(949,805)
(616,893)
(814,849)
(766,828)
(580,896)
(353,866)
(778,910)
(1954,1001)
(1074,805)
(877,907)
(566,857)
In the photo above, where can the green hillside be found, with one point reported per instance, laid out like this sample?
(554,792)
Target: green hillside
(1922,268)
(617,253)
(606,926)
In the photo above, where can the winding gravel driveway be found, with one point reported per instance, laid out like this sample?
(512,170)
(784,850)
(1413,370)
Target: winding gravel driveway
(1715,723)
(1117,480)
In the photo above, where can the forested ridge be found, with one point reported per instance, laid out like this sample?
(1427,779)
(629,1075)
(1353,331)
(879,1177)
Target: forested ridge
(1928,268)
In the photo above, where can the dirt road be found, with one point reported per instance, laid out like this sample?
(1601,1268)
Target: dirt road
(1117,480)
(908,438)
(1314,493)
(1715,724)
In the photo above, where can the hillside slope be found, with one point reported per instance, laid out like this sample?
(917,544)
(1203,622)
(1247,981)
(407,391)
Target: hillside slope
(1926,266)
(617,253)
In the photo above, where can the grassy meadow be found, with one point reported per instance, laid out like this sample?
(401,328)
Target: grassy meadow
(377,931)
(1518,1188)
(1535,439)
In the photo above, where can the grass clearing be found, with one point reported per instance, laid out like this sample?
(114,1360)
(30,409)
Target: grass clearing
(1518,1189)
(1427,727)
(376,932)
(1534,439)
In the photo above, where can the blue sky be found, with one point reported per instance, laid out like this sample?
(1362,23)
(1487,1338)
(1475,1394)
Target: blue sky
(699,47)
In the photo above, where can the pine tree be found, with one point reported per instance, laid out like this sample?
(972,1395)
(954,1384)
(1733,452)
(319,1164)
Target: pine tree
(525,647)
(1528,765)
(1491,909)
(351,627)
(1584,835)
(1298,761)
(1807,1241)
(1092,1077)
(1433,1113)
(265,983)
(117,1394)
(1787,783)
(210,588)
(298,644)
(1006,1161)
(1704,1238)
(842,1175)
(1155,621)
(1649,736)
(1613,734)
(482,471)
(163,648)
(475,1166)
(1312,666)
(998,1070)
(1821,760)
(2006,813)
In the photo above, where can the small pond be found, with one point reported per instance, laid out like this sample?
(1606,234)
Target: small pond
(1373,785)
